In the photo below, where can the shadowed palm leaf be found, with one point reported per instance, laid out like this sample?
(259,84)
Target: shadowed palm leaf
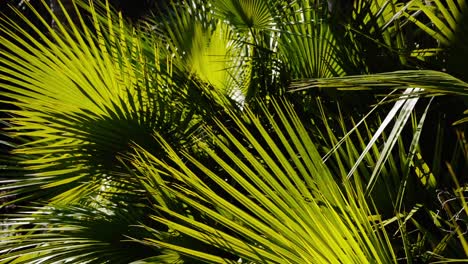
(74,234)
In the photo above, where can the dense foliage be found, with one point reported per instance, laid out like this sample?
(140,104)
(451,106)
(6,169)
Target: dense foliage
(234,131)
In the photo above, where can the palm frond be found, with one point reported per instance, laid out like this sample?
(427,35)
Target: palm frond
(82,96)
(206,48)
(431,83)
(394,180)
(285,206)
(444,22)
(434,82)
(73,234)
(445,19)
(307,43)
(405,188)
(245,15)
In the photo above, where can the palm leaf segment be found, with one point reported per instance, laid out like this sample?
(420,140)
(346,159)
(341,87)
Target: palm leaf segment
(306,41)
(280,207)
(297,31)
(74,234)
(207,48)
(82,100)
(446,19)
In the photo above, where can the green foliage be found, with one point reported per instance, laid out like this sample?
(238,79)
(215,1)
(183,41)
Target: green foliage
(235,131)
(284,206)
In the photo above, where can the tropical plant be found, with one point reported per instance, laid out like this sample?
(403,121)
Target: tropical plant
(235,132)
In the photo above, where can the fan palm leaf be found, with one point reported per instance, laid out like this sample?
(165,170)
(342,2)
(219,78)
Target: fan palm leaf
(251,185)
(370,167)
(427,82)
(445,19)
(306,43)
(286,206)
(206,48)
(82,96)
(245,15)
(73,233)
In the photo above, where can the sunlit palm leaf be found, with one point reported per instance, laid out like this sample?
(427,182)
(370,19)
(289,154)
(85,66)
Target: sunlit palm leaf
(286,207)
(445,18)
(83,99)
(207,48)
(445,22)
(245,14)
(433,82)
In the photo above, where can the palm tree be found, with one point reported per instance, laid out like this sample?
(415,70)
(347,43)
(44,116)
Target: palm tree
(228,131)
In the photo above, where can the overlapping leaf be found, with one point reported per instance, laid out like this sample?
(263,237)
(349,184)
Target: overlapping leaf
(83,95)
(286,206)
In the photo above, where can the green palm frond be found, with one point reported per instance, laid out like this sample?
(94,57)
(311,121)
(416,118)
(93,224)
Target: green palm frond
(161,141)
(280,206)
(445,18)
(74,234)
(434,82)
(445,22)
(403,180)
(245,14)
(207,48)
(82,96)
(368,33)
(307,43)
(428,82)
(392,170)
